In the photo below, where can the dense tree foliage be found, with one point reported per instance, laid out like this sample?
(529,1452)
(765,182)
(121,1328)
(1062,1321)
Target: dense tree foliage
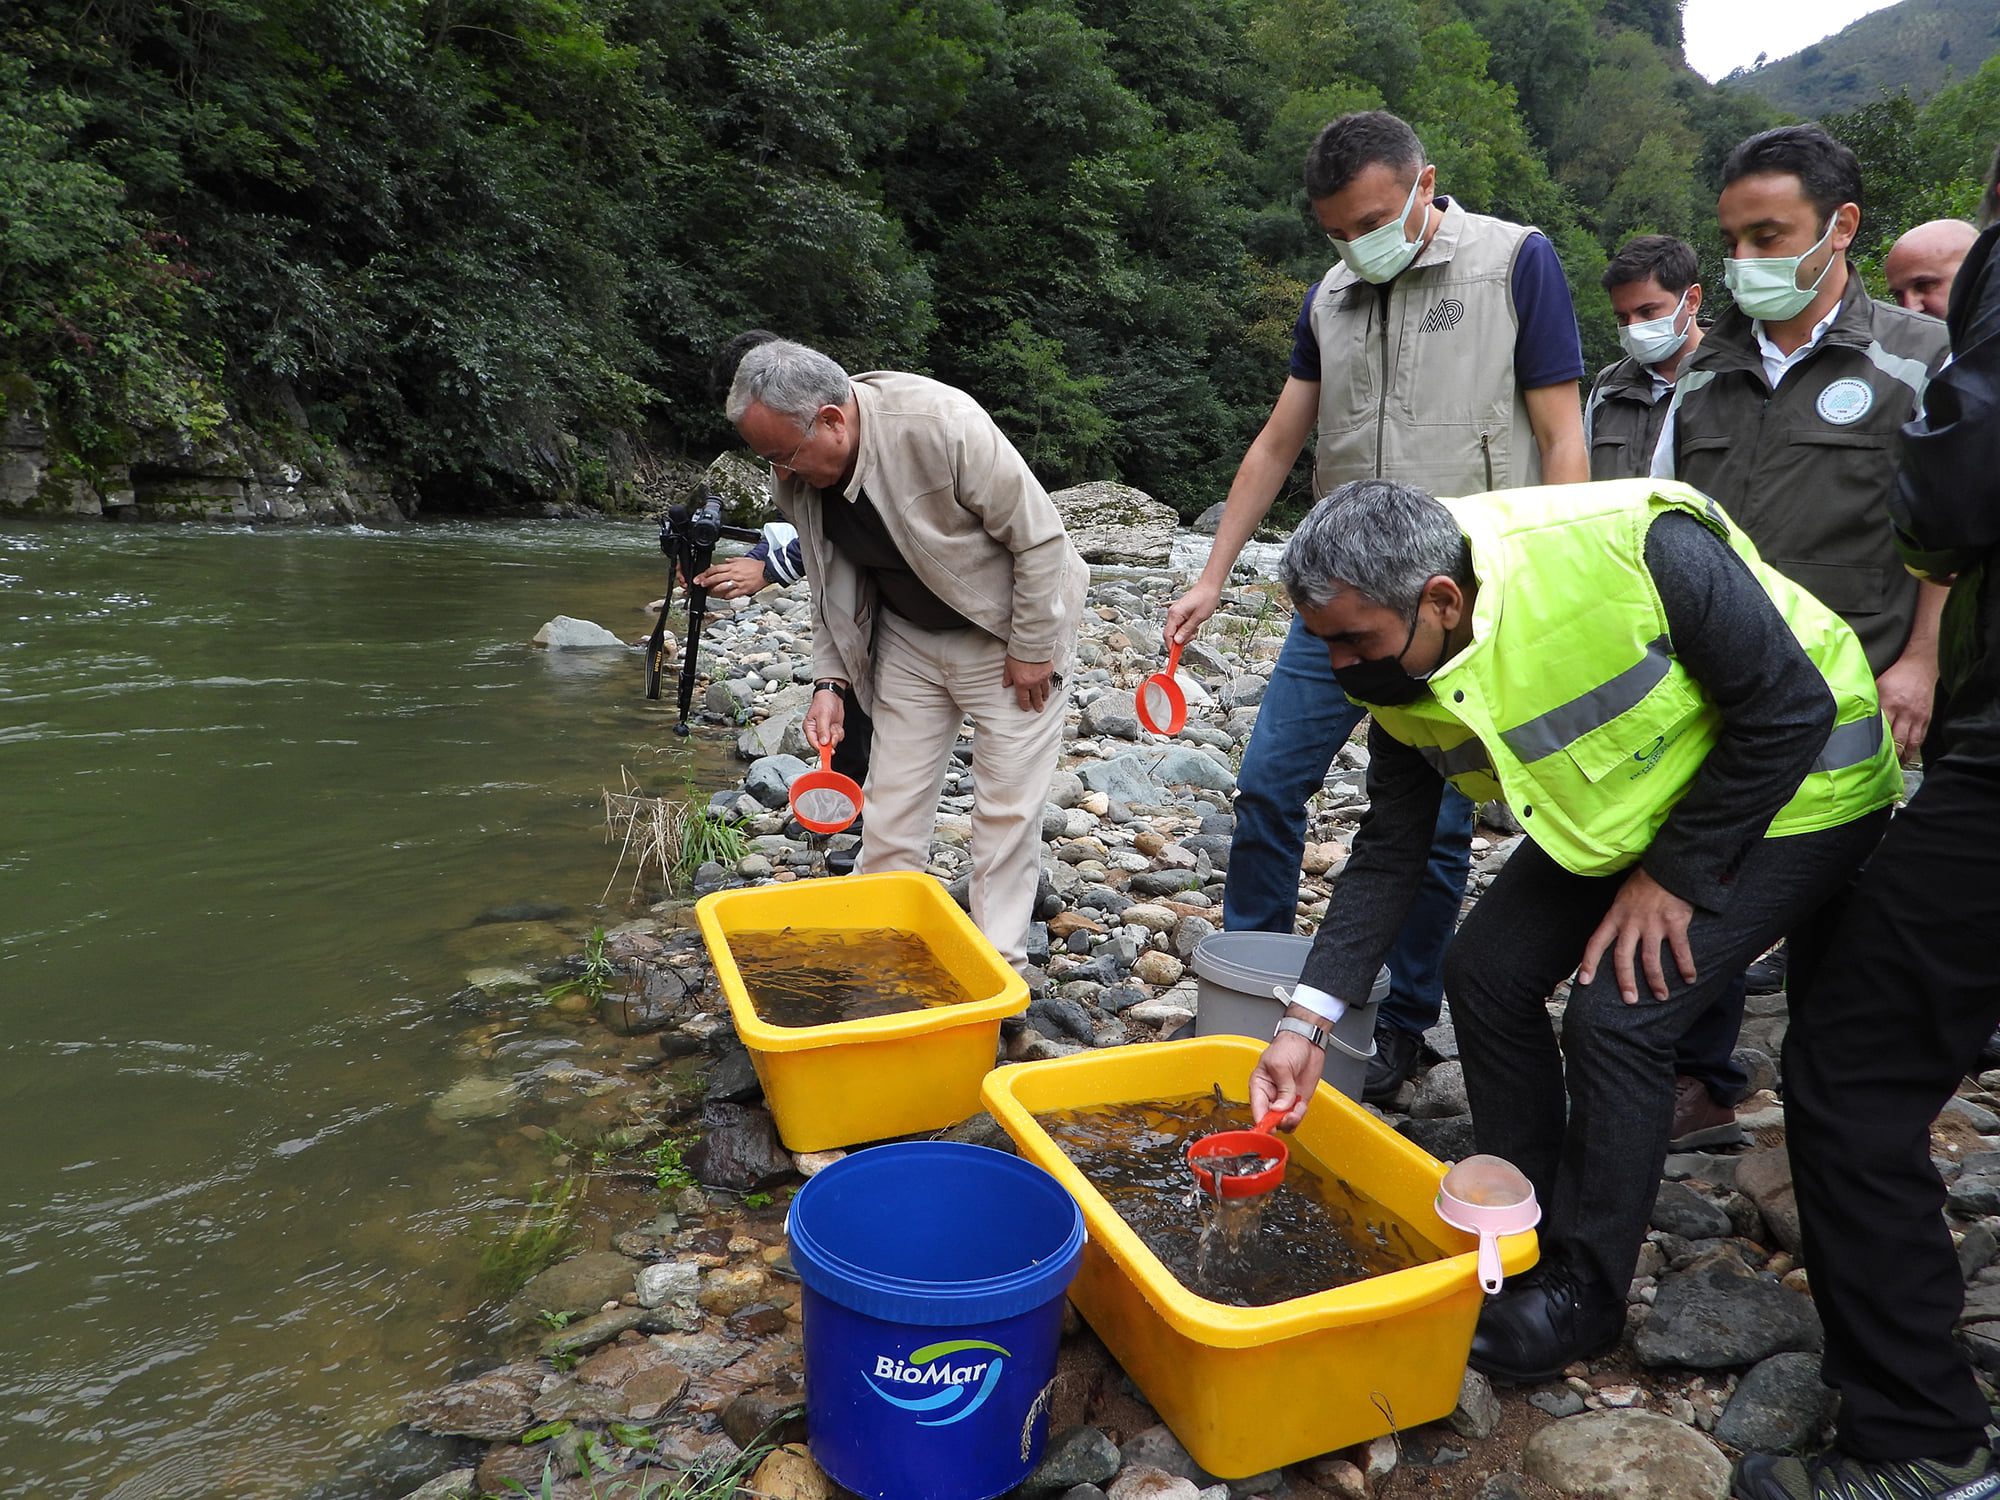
(476,239)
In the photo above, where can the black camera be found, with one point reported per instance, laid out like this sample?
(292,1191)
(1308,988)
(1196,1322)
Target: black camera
(700,529)
(687,536)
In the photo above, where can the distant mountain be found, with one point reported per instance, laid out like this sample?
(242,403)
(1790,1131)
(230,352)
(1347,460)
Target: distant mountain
(1919,44)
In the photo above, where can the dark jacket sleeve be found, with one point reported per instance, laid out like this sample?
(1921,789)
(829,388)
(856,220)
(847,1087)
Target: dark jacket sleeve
(1776,708)
(1384,868)
(1946,501)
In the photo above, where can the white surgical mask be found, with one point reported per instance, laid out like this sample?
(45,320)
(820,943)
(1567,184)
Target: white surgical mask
(1654,340)
(1381,253)
(1768,289)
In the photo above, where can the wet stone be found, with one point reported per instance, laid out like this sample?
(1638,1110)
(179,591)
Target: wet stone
(1627,1455)
(1679,1209)
(733,1079)
(1976,1250)
(739,1149)
(507,1469)
(588,1333)
(980,1130)
(668,1281)
(1075,1456)
(1779,1406)
(492,1408)
(1721,1314)
(755,1320)
(1062,1019)
(1441,1095)
(581,1284)
(1447,1140)
(1558,1401)
(755,1418)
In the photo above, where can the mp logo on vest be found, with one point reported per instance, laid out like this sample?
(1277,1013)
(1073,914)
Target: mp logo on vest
(1845,402)
(1445,315)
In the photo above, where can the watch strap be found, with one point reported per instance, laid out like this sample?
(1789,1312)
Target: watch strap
(1306,1029)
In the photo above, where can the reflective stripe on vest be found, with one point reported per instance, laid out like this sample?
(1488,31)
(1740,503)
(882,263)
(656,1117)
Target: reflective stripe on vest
(1851,744)
(1563,726)
(1467,759)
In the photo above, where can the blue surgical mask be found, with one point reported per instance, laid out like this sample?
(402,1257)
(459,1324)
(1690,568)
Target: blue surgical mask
(1381,254)
(1767,288)
(1655,340)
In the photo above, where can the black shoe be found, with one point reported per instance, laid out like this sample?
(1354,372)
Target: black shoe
(1542,1322)
(1767,975)
(1835,1476)
(1396,1053)
(841,861)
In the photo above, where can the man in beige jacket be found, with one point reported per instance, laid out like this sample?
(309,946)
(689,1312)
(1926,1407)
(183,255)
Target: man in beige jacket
(943,586)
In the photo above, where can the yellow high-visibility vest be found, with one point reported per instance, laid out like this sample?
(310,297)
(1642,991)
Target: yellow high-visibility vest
(1569,701)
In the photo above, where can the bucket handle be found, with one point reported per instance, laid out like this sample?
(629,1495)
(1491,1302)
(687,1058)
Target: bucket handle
(1285,997)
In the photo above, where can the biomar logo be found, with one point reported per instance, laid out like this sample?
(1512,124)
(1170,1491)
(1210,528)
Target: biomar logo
(944,1383)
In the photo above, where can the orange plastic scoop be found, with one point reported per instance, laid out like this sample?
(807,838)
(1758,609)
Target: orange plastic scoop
(824,800)
(1488,1196)
(1226,1143)
(1162,705)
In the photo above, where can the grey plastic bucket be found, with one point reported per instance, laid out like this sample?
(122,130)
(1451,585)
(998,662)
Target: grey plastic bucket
(1239,973)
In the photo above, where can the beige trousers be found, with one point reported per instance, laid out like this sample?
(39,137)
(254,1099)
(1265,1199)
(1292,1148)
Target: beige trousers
(926,681)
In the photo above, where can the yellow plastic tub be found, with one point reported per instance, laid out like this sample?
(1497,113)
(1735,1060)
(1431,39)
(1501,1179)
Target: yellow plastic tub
(881,1076)
(1247,1389)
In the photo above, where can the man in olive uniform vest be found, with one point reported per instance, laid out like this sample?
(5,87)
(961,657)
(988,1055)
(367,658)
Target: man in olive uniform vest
(1693,746)
(1441,349)
(1788,412)
(1656,299)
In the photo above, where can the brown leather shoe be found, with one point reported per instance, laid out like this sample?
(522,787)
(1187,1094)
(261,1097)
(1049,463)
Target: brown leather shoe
(1699,1120)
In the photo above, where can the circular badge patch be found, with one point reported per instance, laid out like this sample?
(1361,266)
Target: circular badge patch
(1845,401)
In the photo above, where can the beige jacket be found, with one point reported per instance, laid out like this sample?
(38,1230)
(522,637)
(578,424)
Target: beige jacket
(966,513)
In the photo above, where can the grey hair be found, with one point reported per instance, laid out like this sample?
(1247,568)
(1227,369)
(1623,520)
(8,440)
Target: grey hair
(1383,539)
(790,379)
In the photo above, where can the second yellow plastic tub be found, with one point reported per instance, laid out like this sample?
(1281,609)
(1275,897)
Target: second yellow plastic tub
(1247,1389)
(867,1080)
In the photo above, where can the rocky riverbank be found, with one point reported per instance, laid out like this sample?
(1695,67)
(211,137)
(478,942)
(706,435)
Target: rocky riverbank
(669,1352)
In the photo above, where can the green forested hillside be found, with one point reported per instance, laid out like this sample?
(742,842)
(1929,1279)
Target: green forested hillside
(1917,45)
(478,241)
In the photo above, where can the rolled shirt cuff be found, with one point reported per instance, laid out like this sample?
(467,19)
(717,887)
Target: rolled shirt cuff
(1327,1007)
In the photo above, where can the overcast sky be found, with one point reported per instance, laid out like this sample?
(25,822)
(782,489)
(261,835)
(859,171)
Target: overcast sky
(1726,34)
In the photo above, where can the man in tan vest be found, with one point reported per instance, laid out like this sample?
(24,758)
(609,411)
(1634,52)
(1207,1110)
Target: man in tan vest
(1441,349)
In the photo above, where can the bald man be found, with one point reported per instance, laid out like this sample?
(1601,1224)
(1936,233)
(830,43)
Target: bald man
(1921,264)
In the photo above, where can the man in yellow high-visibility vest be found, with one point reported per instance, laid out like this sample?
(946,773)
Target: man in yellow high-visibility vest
(1694,746)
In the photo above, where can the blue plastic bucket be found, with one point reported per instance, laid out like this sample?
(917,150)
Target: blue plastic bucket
(934,1277)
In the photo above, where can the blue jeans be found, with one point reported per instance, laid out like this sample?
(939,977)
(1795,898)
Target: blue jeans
(1304,720)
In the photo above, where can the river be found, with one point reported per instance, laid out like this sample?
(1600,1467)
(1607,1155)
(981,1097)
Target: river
(254,786)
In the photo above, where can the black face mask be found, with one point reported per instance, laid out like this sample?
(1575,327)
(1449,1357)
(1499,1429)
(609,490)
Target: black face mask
(1382,679)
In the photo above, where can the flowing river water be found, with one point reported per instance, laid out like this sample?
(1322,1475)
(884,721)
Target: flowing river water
(254,786)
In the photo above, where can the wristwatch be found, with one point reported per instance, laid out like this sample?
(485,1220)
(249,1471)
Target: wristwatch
(1318,1037)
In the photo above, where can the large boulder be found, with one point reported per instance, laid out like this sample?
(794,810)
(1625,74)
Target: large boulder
(1114,523)
(566,634)
(745,488)
(782,730)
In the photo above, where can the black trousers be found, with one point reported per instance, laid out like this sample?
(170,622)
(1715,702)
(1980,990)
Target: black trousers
(850,756)
(1881,1033)
(1595,1159)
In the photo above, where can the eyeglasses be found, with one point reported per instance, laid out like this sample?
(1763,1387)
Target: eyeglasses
(786,464)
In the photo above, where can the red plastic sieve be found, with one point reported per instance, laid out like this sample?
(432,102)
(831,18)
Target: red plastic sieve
(1162,704)
(824,800)
(1258,1142)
